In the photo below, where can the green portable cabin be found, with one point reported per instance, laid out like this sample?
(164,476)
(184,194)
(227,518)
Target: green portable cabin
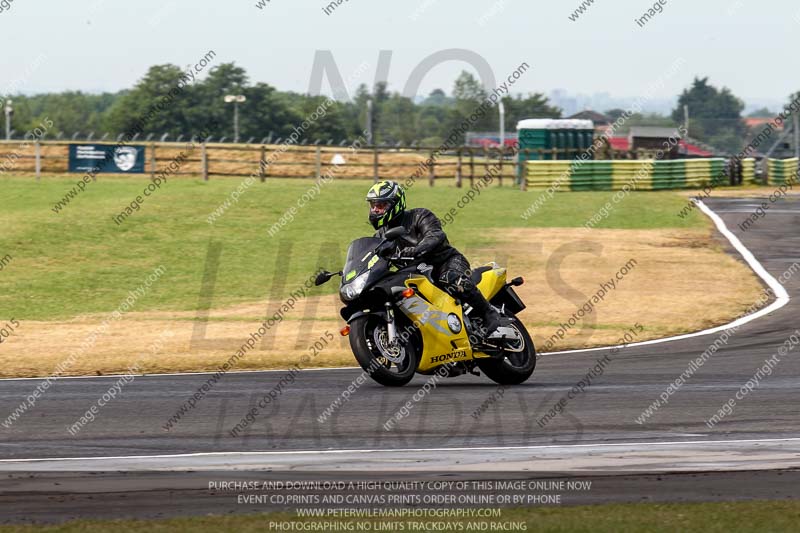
(538,137)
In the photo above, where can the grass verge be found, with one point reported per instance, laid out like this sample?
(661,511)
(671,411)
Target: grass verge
(733,517)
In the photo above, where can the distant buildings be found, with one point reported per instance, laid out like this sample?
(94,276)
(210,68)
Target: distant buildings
(758,123)
(601,121)
(574,103)
(650,138)
(655,138)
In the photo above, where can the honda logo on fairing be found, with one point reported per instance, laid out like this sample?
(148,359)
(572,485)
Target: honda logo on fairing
(449,356)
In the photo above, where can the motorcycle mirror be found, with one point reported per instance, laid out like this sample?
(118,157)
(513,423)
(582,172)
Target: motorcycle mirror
(323,277)
(395,233)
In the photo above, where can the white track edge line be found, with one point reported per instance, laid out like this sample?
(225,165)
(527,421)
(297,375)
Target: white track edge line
(408,450)
(782,298)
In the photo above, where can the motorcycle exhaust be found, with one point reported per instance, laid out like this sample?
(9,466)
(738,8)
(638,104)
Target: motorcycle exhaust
(507,334)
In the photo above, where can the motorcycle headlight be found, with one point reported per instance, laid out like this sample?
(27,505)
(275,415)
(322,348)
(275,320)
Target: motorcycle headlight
(352,290)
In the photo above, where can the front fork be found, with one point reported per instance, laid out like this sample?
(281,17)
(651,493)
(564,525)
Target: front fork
(391,328)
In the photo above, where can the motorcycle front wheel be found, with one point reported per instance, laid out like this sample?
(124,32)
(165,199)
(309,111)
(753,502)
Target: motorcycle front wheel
(389,366)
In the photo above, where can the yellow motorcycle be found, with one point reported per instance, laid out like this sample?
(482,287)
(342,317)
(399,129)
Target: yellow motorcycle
(432,332)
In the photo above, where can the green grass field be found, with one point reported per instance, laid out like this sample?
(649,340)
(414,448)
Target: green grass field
(744,517)
(79,261)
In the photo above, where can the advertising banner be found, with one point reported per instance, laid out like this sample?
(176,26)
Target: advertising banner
(106,158)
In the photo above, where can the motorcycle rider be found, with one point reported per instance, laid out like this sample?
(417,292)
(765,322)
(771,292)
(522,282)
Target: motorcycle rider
(426,241)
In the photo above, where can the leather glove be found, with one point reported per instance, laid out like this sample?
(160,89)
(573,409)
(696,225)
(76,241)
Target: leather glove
(408,251)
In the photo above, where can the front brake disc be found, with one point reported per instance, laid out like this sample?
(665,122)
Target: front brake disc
(395,354)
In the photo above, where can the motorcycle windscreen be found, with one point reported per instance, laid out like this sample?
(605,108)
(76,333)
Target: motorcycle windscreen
(360,258)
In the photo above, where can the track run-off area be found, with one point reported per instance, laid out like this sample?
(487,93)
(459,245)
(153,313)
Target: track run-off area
(659,416)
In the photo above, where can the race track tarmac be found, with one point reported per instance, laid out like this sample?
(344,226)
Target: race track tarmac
(602,430)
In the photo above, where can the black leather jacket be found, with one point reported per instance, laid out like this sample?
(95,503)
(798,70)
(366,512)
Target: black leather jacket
(425,235)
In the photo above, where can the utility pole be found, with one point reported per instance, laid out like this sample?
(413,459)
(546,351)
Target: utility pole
(796,128)
(236,99)
(369,122)
(9,111)
(686,118)
(502,110)
(236,122)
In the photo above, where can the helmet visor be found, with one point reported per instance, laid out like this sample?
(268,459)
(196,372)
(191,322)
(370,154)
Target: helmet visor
(378,207)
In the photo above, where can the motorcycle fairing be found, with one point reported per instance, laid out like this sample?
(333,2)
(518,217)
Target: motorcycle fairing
(361,258)
(492,281)
(429,311)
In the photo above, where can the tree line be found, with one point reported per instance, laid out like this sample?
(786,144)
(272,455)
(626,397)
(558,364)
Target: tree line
(715,114)
(268,111)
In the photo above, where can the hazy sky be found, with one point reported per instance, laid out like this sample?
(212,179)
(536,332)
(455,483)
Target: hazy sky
(96,45)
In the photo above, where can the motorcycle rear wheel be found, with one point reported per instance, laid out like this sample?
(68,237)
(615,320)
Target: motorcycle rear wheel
(366,334)
(515,367)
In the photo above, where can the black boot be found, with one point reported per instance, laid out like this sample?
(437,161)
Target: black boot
(491,318)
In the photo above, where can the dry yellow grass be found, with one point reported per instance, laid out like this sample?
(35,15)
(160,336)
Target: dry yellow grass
(682,282)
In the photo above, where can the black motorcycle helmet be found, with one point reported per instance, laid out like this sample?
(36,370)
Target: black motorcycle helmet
(387,202)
